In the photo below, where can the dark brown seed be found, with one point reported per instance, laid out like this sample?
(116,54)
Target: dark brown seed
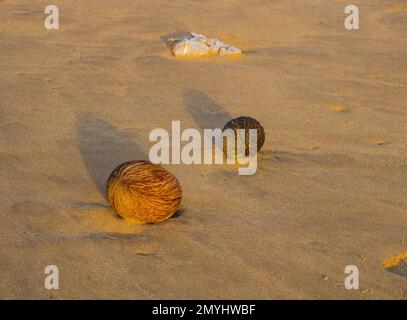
(247,123)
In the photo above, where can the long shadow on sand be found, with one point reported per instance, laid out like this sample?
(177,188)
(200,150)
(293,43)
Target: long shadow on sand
(103,147)
(206,112)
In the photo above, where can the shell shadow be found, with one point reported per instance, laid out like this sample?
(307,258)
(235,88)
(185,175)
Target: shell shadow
(166,38)
(206,112)
(103,147)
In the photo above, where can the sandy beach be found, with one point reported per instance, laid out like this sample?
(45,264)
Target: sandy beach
(331,184)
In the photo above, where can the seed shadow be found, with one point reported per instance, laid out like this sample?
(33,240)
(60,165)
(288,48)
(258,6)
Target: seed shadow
(87,204)
(180,212)
(206,112)
(400,270)
(103,147)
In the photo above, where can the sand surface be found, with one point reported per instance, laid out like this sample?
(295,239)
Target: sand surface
(331,185)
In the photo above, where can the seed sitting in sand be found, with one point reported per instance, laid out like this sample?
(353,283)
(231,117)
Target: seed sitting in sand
(143,192)
(245,123)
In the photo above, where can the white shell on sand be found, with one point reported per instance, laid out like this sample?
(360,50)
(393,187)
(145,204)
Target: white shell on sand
(190,48)
(198,37)
(226,51)
(197,45)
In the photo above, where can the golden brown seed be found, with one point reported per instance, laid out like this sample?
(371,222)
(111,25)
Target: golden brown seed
(143,192)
